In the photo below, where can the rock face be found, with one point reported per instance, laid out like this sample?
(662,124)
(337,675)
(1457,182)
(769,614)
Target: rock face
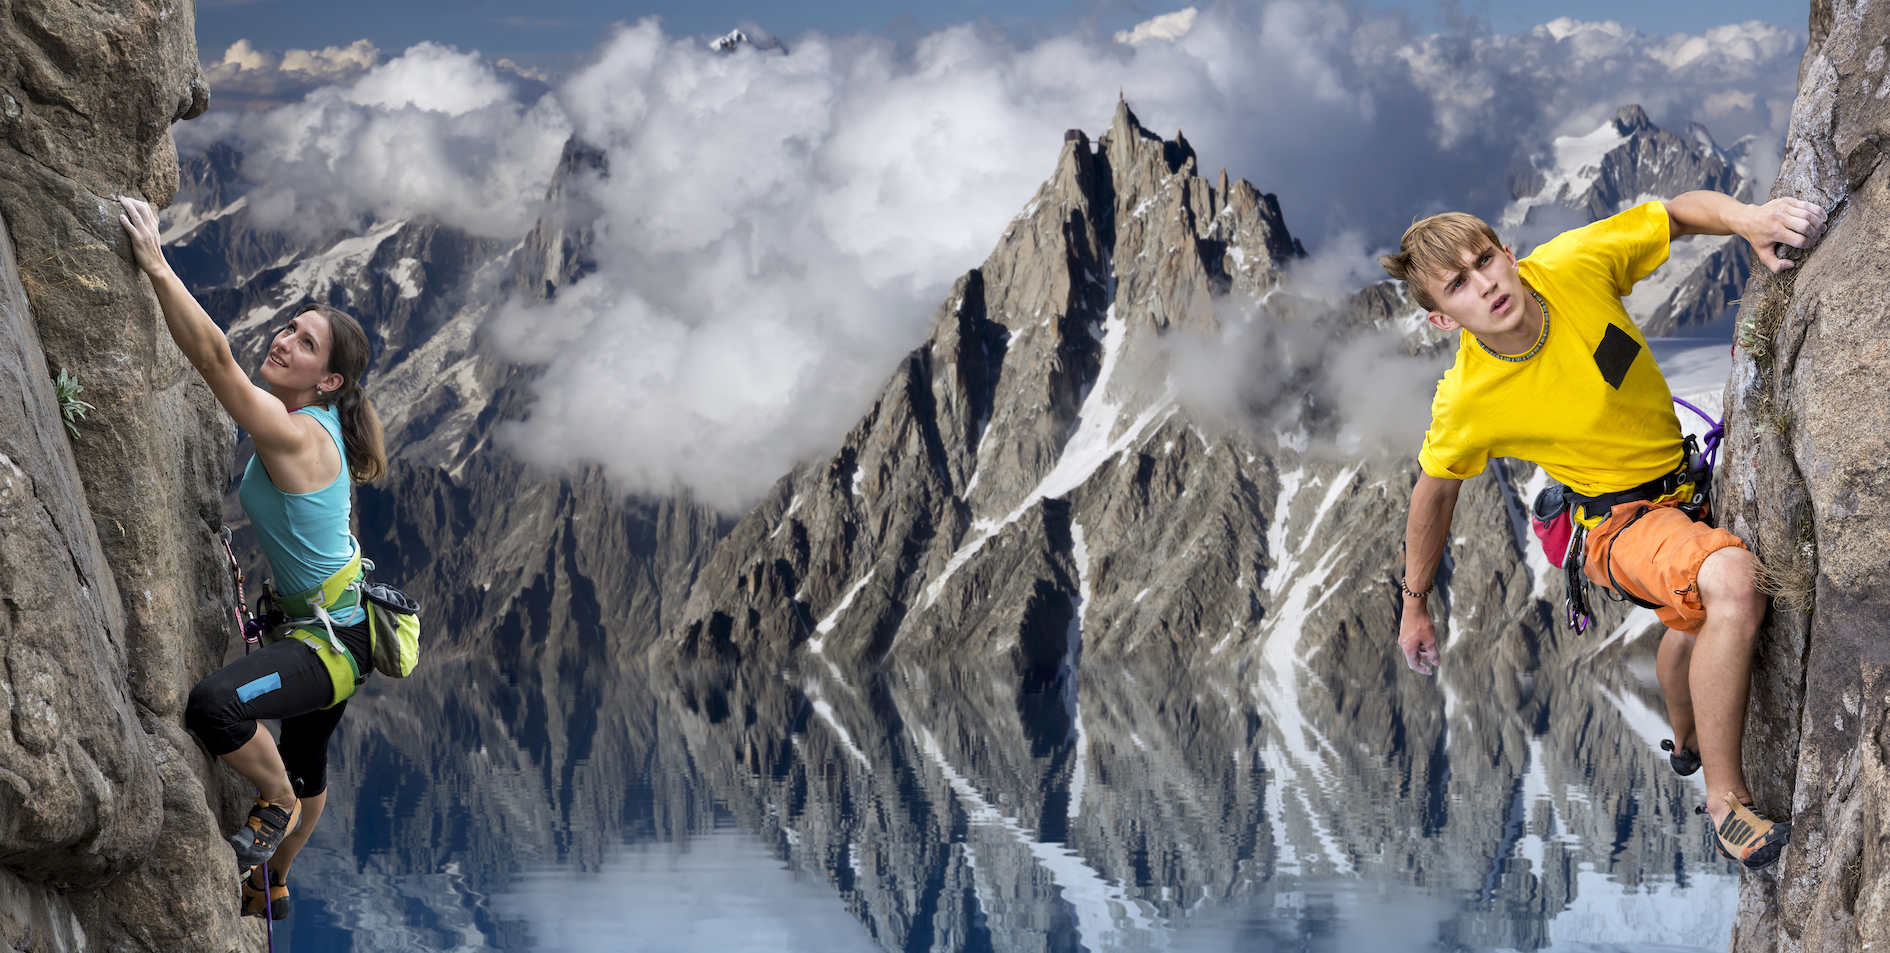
(1622,164)
(115,599)
(1809,434)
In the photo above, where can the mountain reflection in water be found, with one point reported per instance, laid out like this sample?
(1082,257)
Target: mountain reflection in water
(604,807)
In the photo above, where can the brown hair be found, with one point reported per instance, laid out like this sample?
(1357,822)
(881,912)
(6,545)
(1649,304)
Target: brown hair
(348,351)
(1435,246)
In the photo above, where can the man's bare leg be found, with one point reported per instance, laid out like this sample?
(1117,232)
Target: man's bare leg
(1670,666)
(1720,674)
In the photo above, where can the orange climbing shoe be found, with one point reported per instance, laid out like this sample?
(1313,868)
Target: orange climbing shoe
(256,841)
(278,904)
(1745,836)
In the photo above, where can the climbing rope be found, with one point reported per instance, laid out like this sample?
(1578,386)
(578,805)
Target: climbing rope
(252,635)
(1712,438)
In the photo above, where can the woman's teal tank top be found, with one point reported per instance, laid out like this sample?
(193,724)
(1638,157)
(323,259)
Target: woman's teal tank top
(304,535)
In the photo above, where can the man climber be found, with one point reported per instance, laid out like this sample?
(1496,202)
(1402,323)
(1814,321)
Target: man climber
(1551,369)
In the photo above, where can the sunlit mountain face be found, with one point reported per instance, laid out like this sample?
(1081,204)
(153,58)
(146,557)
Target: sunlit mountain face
(796,579)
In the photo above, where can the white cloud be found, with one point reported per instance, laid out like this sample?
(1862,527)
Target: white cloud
(430,77)
(433,132)
(248,77)
(776,231)
(332,61)
(1168,26)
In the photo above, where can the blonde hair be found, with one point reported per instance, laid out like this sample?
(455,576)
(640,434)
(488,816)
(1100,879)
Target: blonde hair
(1436,246)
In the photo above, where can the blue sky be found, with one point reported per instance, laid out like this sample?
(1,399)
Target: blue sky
(566,27)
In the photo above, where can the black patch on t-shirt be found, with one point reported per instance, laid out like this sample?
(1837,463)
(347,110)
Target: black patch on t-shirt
(1615,355)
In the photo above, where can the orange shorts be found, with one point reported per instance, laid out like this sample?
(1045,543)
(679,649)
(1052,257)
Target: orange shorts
(1658,559)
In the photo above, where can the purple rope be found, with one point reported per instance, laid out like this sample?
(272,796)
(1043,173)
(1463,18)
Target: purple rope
(1713,436)
(252,634)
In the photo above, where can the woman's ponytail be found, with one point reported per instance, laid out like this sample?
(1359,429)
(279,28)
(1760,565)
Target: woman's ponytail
(348,351)
(361,434)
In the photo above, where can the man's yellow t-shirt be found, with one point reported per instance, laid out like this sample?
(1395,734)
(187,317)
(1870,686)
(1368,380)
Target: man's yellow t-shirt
(1591,407)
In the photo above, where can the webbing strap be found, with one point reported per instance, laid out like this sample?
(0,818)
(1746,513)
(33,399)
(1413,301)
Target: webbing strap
(1608,562)
(313,605)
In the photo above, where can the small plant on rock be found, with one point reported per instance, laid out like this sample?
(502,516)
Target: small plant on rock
(71,407)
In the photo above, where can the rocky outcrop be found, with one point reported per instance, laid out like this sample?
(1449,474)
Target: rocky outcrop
(1809,434)
(114,593)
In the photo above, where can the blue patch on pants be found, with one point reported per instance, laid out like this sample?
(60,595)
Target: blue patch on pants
(262,686)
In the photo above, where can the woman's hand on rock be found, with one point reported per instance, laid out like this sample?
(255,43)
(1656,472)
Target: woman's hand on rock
(142,225)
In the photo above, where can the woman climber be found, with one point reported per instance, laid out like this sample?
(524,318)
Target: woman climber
(315,433)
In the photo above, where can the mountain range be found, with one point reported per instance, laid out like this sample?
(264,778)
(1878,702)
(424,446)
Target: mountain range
(1035,488)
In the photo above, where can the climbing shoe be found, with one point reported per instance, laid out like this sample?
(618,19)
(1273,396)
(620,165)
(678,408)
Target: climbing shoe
(1684,762)
(1745,836)
(279,904)
(256,841)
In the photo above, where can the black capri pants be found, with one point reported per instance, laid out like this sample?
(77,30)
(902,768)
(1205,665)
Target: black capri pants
(284,680)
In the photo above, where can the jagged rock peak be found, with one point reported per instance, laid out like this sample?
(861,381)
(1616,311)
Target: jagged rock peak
(1631,119)
(950,519)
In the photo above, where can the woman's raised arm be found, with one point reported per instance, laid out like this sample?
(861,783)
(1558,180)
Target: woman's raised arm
(255,410)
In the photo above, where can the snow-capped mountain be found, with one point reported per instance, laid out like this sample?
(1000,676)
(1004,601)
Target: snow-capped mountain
(1626,161)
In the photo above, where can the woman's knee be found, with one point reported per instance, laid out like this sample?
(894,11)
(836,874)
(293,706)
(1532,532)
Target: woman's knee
(210,714)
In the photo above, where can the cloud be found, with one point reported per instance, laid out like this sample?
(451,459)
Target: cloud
(433,132)
(1168,26)
(1298,372)
(776,231)
(250,78)
(430,77)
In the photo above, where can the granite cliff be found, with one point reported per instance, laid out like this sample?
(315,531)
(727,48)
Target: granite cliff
(1805,484)
(113,599)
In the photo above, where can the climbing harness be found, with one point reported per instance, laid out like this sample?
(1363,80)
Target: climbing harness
(1554,516)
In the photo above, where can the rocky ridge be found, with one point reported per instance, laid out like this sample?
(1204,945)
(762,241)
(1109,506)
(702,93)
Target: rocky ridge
(1805,486)
(112,583)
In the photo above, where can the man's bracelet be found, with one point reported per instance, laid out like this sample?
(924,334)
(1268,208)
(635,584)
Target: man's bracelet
(1417,595)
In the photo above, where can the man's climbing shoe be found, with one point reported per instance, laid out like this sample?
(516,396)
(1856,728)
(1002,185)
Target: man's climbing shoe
(1745,836)
(1684,762)
(279,904)
(256,841)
